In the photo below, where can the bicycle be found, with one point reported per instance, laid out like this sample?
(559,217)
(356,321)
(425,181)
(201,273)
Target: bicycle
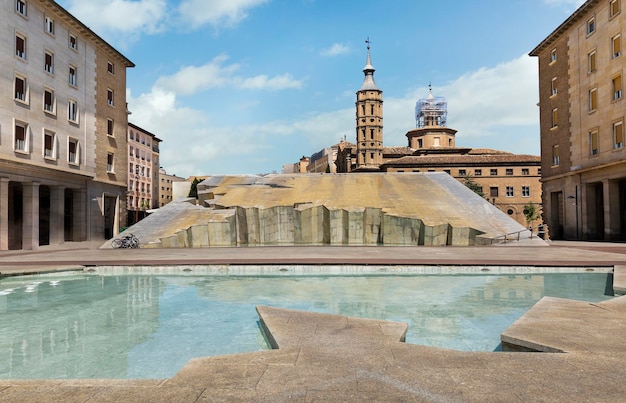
(128,241)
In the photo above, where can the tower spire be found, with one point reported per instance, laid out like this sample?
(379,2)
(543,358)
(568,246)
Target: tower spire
(368,70)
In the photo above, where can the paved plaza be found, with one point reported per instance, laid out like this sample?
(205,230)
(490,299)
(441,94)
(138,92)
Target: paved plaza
(337,358)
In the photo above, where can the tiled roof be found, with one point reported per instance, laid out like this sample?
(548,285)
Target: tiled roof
(465,159)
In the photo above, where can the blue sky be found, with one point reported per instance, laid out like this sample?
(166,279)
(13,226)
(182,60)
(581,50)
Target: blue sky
(245,86)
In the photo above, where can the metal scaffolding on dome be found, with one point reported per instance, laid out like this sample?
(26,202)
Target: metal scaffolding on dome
(431,111)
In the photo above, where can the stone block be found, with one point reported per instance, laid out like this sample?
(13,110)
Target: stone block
(312,226)
(223,233)
(463,236)
(169,242)
(436,235)
(276,225)
(372,218)
(338,227)
(355,227)
(401,230)
(198,236)
(182,238)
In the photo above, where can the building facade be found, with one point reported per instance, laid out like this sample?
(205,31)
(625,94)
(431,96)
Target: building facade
(143,172)
(581,105)
(166,186)
(509,181)
(63,121)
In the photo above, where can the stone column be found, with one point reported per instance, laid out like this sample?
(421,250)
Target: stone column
(612,219)
(57,213)
(80,223)
(30,222)
(4,214)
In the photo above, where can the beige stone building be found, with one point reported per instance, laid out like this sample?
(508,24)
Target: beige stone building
(143,172)
(63,119)
(166,186)
(509,181)
(581,104)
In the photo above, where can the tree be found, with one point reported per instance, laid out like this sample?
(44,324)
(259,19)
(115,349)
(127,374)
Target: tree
(193,192)
(531,213)
(474,187)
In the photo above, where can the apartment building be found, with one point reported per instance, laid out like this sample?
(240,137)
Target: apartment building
(166,186)
(581,105)
(143,172)
(63,119)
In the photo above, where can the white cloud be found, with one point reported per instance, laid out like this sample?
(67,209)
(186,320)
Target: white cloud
(491,107)
(121,20)
(217,73)
(216,12)
(335,49)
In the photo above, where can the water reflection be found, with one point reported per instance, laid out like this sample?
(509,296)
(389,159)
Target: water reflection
(129,326)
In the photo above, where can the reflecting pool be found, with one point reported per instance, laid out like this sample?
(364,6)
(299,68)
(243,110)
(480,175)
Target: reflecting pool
(148,326)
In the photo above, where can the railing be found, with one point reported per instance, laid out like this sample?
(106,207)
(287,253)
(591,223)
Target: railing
(516,236)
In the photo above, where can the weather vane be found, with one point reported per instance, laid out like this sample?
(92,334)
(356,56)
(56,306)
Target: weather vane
(368,42)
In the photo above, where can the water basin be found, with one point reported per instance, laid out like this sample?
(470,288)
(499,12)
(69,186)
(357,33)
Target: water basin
(147,323)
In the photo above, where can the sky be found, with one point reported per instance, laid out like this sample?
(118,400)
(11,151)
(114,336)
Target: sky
(245,86)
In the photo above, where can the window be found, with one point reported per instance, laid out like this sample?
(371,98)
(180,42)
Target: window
(616,85)
(73,42)
(493,172)
(130,170)
(20,46)
(72,76)
(478,172)
(591,61)
(593,99)
(110,97)
(614,8)
(109,162)
(48,62)
(462,172)
(437,141)
(553,86)
(509,171)
(49,145)
(132,135)
(555,117)
(509,191)
(371,136)
(525,191)
(20,138)
(48,101)
(72,111)
(525,171)
(130,151)
(21,89)
(493,191)
(109,127)
(20,7)
(616,46)
(593,142)
(553,55)
(618,134)
(445,170)
(49,25)
(73,151)
(591,25)
(110,68)
(555,155)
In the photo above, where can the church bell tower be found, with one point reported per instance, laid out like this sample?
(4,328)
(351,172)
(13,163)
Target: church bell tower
(369,121)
